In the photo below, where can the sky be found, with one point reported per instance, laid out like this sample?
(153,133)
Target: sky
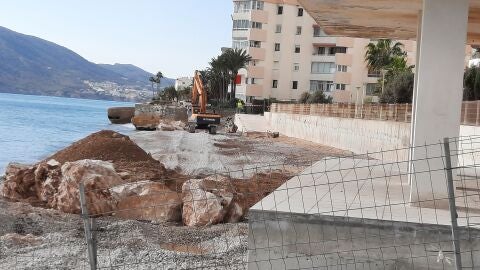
(172,36)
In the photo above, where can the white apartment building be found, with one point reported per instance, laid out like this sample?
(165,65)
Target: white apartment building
(291,54)
(183,82)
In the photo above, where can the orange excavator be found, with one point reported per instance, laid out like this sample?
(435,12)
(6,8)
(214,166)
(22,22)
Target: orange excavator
(199,117)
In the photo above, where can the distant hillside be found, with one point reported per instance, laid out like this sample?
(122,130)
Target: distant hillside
(30,65)
(135,73)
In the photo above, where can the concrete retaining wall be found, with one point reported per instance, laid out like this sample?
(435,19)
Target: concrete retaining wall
(298,241)
(356,135)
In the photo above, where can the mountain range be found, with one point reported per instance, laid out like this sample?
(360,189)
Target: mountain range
(30,65)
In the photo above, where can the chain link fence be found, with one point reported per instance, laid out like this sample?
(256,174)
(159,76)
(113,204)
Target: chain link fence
(350,212)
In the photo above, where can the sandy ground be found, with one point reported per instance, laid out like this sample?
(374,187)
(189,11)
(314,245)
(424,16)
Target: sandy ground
(241,156)
(36,238)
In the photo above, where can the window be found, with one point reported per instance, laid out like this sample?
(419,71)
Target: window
(240,43)
(341,50)
(241,24)
(332,51)
(295,85)
(274,83)
(323,67)
(300,12)
(296,66)
(278,28)
(372,89)
(255,44)
(252,81)
(326,86)
(320,51)
(258,5)
(280,10)
(246,6)
(341,86)
(257,25)
(277,47)
(318,32)
(297,48)
(341,68)
(299,30)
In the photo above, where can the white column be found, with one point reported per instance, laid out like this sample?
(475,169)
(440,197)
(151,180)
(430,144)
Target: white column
(438,95)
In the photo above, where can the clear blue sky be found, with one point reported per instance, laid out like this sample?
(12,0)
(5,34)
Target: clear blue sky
(175,36)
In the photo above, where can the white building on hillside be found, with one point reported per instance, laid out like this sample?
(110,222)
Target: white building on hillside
(183,82)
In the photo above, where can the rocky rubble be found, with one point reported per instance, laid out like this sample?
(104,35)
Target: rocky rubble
(147,200)
(201,202)
(211,201)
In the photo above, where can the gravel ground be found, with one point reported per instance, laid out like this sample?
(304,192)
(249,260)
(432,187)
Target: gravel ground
(36,238)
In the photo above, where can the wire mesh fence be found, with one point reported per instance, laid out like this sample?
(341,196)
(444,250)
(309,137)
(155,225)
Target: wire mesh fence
(370,211)
(352,212)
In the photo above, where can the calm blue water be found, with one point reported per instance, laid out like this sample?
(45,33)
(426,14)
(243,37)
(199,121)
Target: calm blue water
(33,127)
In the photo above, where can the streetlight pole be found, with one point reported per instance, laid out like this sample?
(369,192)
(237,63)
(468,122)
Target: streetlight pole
(383,71)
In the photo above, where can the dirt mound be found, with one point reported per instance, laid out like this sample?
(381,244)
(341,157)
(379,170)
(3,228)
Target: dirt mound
(129,159)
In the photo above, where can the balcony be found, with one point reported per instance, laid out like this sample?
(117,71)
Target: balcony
(345,42)
(343,77)
(344,59)
(327,41)
(256,72)
(257,53)
(258,34)
(259,16)
(254,90)
(323,58)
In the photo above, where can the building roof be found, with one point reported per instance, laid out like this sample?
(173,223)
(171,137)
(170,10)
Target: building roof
(395,19)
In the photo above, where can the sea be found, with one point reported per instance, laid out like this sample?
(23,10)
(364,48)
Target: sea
(34,127)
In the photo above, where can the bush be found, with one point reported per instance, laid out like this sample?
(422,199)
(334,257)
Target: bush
(304,97)
(319,97)
(399,88)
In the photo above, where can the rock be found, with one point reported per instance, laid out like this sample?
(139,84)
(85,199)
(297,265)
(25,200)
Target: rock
(97,176)
(210,201)
(230,126)
(147,200)
(48,177)
(19,184)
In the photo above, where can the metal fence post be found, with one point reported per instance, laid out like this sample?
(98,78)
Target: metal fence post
(89,226)
(451,203)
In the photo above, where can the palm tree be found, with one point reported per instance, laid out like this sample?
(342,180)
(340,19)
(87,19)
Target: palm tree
(152,80)
(235,59)
(158,79)
(380,54)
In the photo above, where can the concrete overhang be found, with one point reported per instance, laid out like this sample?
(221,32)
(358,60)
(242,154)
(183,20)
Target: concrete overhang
(395,19)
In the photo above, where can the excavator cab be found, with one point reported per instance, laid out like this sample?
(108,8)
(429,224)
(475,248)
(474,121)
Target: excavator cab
(199,118)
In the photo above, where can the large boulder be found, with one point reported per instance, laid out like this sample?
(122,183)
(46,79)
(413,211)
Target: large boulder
(210,201)
(19,184)
(147,200)
(97,176)
(48,176)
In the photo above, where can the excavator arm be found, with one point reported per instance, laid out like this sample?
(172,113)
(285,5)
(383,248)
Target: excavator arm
(200,118)
(199,95)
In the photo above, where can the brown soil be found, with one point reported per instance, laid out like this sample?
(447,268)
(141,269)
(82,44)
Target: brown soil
(260,186)
(132,162)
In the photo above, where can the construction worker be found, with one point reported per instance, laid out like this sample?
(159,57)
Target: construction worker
(239,106)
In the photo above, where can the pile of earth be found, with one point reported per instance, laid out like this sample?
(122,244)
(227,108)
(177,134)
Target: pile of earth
(129,160)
